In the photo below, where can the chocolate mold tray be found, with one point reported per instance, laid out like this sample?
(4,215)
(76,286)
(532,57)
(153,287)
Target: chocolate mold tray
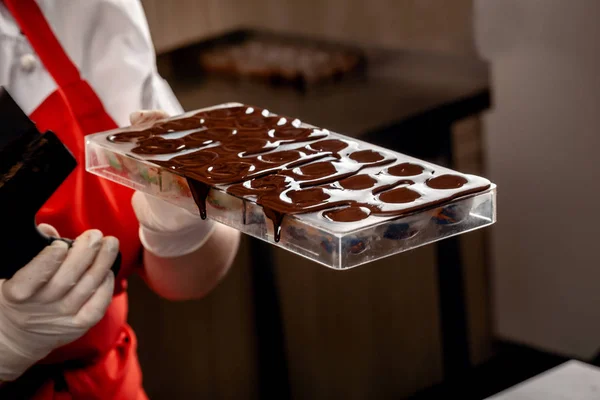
(336,200)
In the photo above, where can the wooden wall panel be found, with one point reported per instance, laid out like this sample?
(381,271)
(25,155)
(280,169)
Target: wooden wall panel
(369,332)
(198,349)
(467,142)
(413,24)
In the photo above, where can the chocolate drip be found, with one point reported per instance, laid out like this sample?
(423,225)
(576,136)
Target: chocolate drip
(276,218)
(239,147)
(200,193)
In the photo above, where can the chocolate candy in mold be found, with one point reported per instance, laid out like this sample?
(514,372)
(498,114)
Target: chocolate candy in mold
(114,161)
(327,244)
(453,214)
(128,164)
(151,175)
(223,201)
(296,233)
(183,187)
(355,245)
(174,185)
(405,228)
(254,216)
(399,231)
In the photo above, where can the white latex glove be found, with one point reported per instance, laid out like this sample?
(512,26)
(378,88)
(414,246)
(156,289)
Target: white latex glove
(54,299)
(166,230)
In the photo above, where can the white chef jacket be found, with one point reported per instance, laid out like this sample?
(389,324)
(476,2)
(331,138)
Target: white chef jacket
(108,40)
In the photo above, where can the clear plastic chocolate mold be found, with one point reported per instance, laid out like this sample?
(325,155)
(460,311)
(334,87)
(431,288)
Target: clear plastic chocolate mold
(333,199)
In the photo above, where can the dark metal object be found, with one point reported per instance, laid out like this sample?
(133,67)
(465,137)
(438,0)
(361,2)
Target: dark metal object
(32,167)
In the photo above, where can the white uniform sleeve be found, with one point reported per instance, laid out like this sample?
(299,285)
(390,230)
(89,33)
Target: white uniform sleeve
(110,42)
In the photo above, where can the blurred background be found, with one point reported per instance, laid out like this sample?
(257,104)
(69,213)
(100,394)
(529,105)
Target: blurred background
(505,89)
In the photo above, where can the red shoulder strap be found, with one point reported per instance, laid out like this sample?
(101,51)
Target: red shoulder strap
(34,26)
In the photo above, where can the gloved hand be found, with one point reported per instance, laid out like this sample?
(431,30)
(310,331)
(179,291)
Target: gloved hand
(166,230)
(54,299)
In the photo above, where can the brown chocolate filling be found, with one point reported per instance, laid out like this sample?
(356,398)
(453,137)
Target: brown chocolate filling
(348,214)
(405,169)
(399,196)
(447,182)
(358,182)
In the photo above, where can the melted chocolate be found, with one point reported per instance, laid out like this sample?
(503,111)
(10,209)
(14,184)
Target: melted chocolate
(366,156)
(348,214)
(277,218)
(358,182)
(200,193)
(399,196)
(238,147)
(332,145)
(447,182)
(405,169)
(158,145)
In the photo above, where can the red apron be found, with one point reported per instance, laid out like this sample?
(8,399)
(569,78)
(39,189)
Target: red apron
(103,363)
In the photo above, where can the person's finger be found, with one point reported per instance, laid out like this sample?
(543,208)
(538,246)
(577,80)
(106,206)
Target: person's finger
(94,309)
(94,276)
(28,280)
(48,230)
(81,256)
(145,116)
